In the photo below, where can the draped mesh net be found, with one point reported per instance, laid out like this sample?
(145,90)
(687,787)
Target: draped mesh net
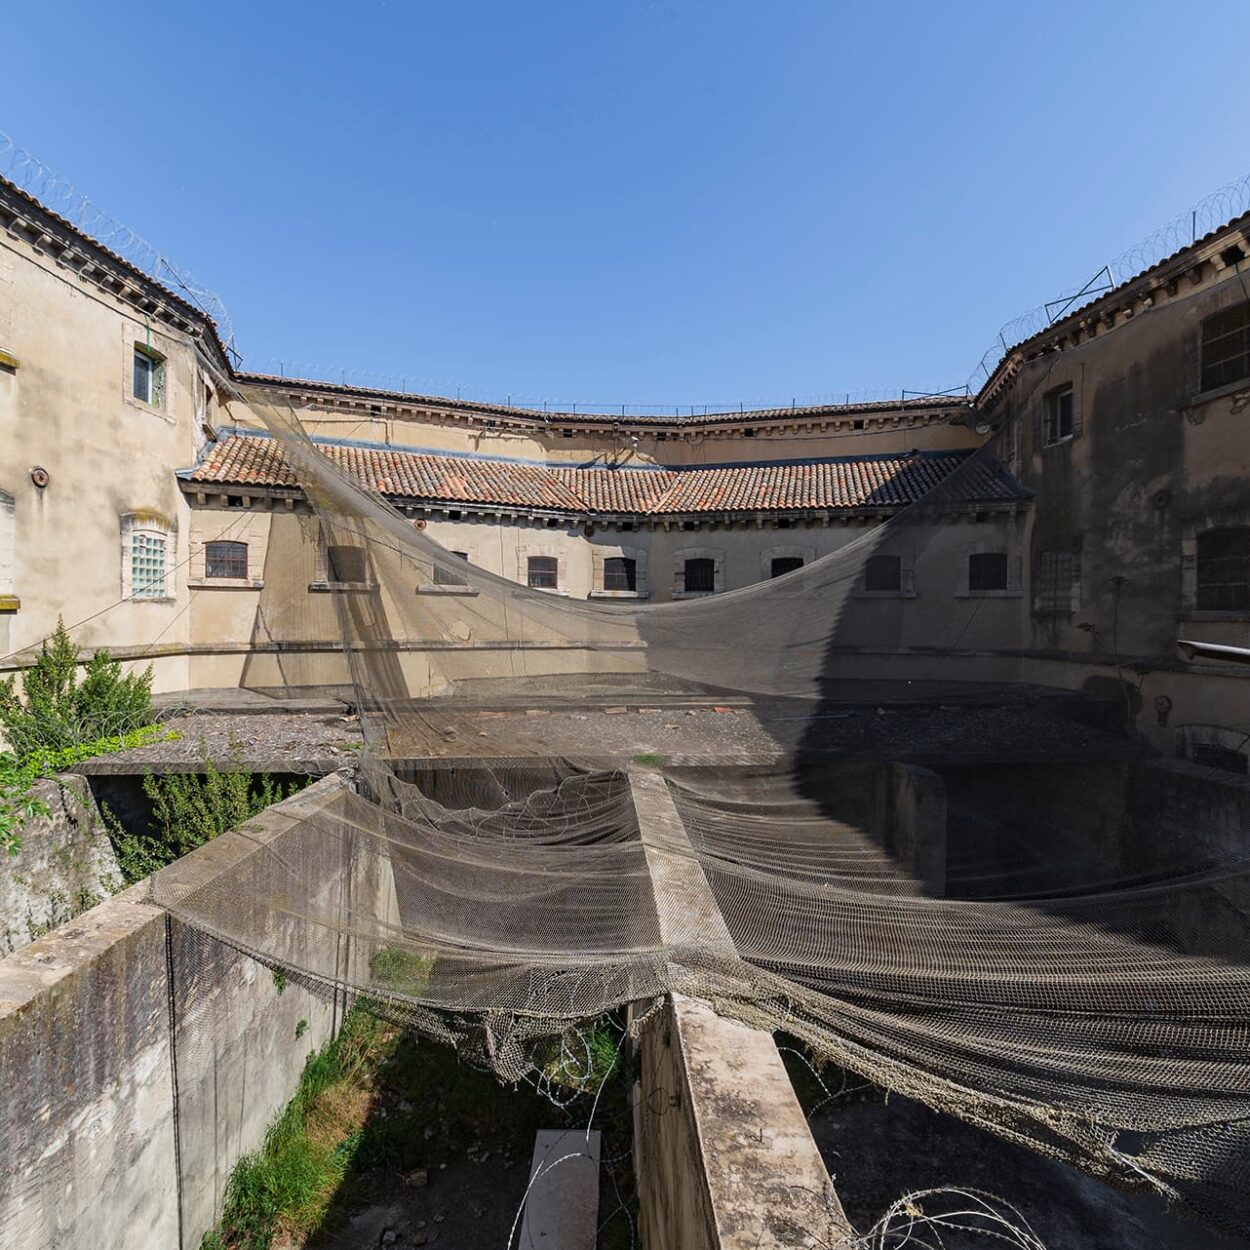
(489,885)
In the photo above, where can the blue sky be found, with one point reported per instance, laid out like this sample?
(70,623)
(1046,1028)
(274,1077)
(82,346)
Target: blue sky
(680,202)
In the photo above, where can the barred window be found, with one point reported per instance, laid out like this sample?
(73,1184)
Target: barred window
(450,577)
(699,574)
(147,565)
(543,572)
(1224,570)
(1226,347)
(1057,581)
(987,570)
(883,574)
(1058,407)
(346,564)
(782,565)
(225,559)
(620,573)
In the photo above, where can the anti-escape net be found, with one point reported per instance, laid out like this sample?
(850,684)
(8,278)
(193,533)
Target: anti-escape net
(1058,964)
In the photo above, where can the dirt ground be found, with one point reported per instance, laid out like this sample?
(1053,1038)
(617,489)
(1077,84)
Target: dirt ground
(879,1150)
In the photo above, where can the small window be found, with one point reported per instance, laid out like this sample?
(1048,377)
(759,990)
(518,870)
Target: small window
(147,565)
(883,574)
(1224,570)
(1226,347)
(543,572)
(1057,584)
(700,575)
(620,573)
(1212,755)
(222,559)
(149,377)
(782,565)
(987,570)
(1058,408)
(450,577)
(346,564)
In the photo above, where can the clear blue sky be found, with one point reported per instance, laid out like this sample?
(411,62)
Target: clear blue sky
(686,201)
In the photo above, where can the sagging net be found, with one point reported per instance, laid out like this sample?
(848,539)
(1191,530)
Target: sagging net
(1027,946)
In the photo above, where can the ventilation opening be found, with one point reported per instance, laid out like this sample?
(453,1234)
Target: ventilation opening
(1233,256)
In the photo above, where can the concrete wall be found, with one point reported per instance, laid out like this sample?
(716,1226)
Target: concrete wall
(140,1059)
(723,1153)
(65,866)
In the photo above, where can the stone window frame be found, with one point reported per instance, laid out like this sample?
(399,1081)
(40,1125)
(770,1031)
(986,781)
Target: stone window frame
(599,555)
(784,551)
(470,553)
(1014,588)
(906,577)
(1187,737)
(715,554)
(1217,300)
(554,551)
(138,338)
(150,524)
(1064,374)
(1221,518)
(1074,589)
(9,602)
(321,573)
(255,535)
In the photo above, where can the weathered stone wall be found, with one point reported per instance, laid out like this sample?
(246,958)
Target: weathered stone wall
(139,1060)
(65,866)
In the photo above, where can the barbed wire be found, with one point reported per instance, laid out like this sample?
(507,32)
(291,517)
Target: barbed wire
(1210,213)
(53,191)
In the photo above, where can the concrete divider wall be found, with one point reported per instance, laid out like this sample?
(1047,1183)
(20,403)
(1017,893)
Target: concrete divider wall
(139,1060)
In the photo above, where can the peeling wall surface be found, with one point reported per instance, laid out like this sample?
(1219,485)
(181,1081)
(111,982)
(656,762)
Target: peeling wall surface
(65,866)
(139,1060)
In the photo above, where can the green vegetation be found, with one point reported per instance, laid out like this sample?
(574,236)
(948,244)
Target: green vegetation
(58,721)
(405,971)
(189,809)
(649,760)
(378,1103)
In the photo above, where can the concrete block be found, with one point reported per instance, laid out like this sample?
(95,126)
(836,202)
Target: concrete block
(562,1209)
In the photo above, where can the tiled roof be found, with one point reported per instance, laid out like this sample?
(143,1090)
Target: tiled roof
(848,482)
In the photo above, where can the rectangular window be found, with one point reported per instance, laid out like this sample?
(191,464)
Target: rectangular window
(1058,408)
(346,564)
(449,577)
(782,565)
(1057,573)
(700,575)
(542,572)
(883,574)
(149,377)
(620,573)
(223,559)
(1224,570)
(1226,347)
(987,570)
(147,565)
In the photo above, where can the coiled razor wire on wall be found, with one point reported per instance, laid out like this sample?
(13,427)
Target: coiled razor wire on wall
(1210,213)
(1069,984)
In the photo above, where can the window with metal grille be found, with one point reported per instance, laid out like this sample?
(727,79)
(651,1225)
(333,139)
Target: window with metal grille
(223,559)
(1057,573)
(883,574)
(987,570)
(1226,347)
(346,564)
(147,565)
(1057,411)
(1212,755)
(543,572)
(620,573)
(782,565)
(449,577)
(699,574)
(1224,570)
(149,376)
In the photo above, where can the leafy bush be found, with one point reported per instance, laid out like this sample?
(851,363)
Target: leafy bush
(189,809)
(18,775)
(56,711)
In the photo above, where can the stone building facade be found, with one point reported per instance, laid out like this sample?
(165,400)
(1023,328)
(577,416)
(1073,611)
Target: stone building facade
(1109,518)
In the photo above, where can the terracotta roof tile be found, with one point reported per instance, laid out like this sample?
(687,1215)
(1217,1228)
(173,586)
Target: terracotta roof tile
(847,482)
